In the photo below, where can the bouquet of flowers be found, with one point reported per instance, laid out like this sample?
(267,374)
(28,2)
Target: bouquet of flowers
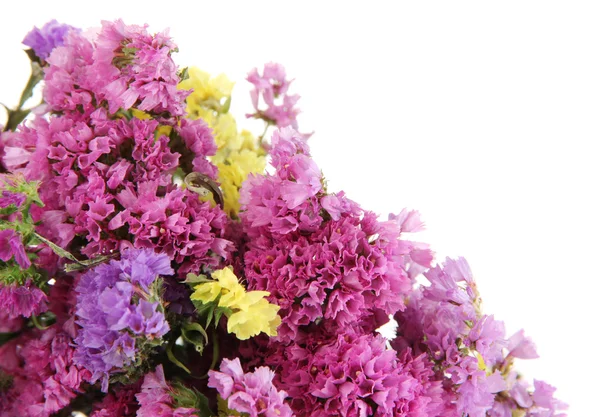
(157,261)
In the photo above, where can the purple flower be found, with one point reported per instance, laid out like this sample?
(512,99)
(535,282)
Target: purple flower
(115,313)
(521,347)
(11,245)
(251,393)
(22,300)
(9,198)
(44,40)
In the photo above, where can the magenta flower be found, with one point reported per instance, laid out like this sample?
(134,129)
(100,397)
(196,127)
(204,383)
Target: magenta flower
(45,378)
(22,300)
(9,198)
(12,246)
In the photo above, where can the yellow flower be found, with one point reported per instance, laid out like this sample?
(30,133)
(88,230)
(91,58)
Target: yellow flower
(142,115)
(259,316)
(233,171)
(251,313)
(206,292)
(227,286)
(208,91)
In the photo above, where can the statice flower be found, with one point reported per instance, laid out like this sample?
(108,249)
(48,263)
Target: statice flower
(271,88)
(45,376)
(251,393)
(120,313)
(11,246)
(319,255)
(118,403)
(44,40)
(82,191)
(249,312)
(354,374)
(141,69)
(22,300)
(8,198)
(445,321)
(156,399)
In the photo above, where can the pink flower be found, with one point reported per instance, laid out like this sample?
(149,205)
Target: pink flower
(155,398)
(252,393)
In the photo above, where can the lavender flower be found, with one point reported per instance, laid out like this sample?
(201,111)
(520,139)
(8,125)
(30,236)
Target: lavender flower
(9,198)
(119,311)
(44,40)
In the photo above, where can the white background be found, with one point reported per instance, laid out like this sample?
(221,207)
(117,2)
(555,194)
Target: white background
(482,115)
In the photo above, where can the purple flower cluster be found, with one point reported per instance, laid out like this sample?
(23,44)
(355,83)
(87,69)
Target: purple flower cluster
(155,398)
(44,375)
(251,393)
(320,256)
(119,311)
(44,40)
(272,88)
(469,349)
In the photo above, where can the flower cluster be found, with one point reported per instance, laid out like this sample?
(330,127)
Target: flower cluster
(248,313)
(320,255)
(107,156)
(144,243)
(473,357)
(120,312)
(44,40)
(271,88)
(42,372)
(238,153)
(156,398)
(251,393)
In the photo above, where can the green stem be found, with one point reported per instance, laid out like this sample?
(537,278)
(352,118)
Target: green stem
(37,323)
(215,353)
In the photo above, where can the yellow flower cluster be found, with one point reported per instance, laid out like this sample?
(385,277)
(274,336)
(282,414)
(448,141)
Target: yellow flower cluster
(251,312)
(238,153)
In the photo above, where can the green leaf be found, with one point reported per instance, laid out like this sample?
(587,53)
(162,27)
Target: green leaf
(184,74)
(219,313)
(6,211)
(202,405)
(196,279)
(57,249)
(195,334)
